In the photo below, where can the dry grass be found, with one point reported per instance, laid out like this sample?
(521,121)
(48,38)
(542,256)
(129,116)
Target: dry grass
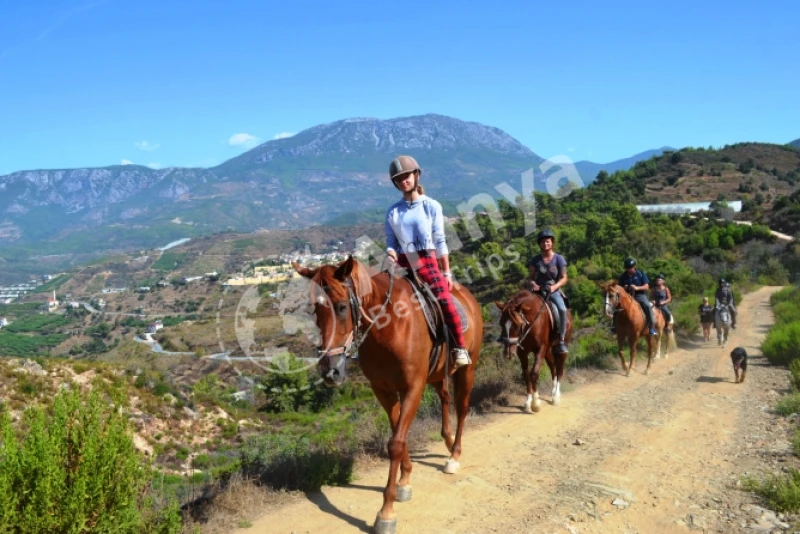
(236,505)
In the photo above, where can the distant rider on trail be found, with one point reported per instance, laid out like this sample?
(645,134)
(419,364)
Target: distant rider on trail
(415,239)
(661,296)
(548,274)
(636,284)
(724,296)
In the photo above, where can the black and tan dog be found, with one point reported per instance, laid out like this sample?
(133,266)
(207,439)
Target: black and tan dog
(739,359)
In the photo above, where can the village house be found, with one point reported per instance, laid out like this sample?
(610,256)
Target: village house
(52,303)
(152,328)
(3,322)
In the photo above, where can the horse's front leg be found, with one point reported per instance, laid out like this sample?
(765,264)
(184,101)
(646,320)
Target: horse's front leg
(551,365)
(401,414)
(651,349)
(534,376)
(633,342)
(522,354)
(621,352)
(444,396)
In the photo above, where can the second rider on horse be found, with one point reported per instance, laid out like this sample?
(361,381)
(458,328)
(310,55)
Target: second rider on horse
(662,296)
(548,274)
(636,283)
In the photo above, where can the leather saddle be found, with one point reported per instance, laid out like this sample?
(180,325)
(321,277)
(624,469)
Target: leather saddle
(553,315)
(434,317)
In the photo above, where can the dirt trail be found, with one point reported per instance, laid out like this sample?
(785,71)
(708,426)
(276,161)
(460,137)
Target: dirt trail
(653,445)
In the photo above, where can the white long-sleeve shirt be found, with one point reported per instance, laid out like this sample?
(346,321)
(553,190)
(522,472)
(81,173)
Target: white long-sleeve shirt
(416,225)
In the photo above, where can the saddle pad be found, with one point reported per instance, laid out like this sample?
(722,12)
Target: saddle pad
(555,318)
(462,314)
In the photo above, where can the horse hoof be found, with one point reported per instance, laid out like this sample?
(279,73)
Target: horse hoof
(385,526)
(451,466)
(403,493)
(528,408)
(556,400)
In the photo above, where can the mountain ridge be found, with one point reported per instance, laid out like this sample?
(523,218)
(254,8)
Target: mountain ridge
(320,174)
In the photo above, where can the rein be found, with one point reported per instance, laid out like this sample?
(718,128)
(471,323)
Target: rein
(509,341)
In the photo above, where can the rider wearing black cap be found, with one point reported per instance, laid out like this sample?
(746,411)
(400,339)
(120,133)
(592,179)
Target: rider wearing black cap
(661,296)
(636,284)
(548,274)
(724,296)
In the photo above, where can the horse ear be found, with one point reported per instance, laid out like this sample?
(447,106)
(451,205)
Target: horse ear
(344,269)
(499,305)
(304,271)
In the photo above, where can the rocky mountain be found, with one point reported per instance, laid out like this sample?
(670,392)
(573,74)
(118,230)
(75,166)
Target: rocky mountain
(795,144)
(325,173)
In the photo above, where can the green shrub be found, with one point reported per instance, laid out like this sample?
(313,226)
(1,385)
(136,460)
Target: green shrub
(788,405)
(286,384)
(781,344)
(794,367)
(75,470)
(782,492)
(201,461)
(285,462)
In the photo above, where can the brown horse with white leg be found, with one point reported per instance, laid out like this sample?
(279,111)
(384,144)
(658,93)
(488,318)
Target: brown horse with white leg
(377,317)
(631,324)
(526,328)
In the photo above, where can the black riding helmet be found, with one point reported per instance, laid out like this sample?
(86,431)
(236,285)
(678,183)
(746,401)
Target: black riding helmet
(544,234)
(630,262)
(661,276)
(722,281)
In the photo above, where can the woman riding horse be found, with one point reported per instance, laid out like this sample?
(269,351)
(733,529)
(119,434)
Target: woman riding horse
(661,296)
(415,237)
(548,274)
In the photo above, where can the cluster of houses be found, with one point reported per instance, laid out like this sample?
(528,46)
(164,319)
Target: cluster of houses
(9,294)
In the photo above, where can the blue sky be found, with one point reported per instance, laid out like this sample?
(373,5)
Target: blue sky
(96,82)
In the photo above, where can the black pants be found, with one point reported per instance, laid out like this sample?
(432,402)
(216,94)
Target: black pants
(641,298)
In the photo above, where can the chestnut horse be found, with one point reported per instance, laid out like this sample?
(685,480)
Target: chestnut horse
(393,345)
(524,323)
(631,324)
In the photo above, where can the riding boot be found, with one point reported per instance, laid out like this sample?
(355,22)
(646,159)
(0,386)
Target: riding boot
(562,346)
(652,321)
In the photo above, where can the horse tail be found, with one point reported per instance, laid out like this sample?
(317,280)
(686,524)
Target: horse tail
(671,343)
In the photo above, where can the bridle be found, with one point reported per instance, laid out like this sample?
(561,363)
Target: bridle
(526,329)
(617,306)
(357,314)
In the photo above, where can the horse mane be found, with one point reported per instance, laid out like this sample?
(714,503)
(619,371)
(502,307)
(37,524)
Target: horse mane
(362,280)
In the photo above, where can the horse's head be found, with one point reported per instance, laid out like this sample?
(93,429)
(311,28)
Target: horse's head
(513,324)
(612,295)
(335,295)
